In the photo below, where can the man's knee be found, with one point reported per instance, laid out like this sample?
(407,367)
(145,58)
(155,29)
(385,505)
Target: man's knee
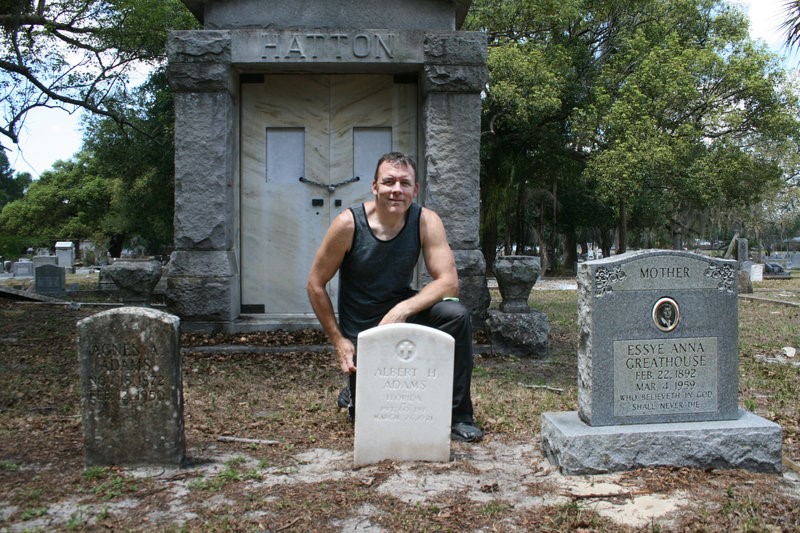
(449,310)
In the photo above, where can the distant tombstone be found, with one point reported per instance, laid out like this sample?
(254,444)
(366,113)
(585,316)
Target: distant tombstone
(404,394)
(742,250)
(658,370)
(22,269)
(131,388)
(65,252)
(757,272)
(39,260)
(516,328)
(50,279)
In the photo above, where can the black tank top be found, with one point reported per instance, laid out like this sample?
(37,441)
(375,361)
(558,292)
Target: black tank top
(375,275)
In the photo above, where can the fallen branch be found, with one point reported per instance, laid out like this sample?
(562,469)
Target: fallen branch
(545,387)
(290,524)
(607,496)
(223,438)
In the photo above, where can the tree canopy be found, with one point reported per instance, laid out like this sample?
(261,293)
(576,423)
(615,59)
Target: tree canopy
(117,190)
(78,53)
(649,114)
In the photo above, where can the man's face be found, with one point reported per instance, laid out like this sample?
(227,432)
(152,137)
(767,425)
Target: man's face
(395,187)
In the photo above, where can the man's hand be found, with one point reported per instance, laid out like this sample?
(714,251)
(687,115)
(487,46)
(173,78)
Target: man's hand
(397,314)
(345,352)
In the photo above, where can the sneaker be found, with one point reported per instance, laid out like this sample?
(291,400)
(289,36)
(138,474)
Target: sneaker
(466,432)
(344,398)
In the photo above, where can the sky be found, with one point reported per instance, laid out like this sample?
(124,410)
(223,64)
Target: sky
(52,134)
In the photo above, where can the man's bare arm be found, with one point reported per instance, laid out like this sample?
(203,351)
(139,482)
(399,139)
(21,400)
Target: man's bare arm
(326,263)
(441,266)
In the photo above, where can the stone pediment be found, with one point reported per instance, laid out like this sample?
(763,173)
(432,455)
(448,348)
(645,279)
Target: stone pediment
(408,14)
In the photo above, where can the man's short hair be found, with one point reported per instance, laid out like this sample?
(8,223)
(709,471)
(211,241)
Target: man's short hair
(395,159)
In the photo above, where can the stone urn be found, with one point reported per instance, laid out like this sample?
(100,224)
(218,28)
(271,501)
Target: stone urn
(135,278)
(516,275)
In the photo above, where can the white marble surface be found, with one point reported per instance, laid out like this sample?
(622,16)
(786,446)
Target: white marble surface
(404,394)
(281,229)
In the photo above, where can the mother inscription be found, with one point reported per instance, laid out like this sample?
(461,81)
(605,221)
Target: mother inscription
(659,340)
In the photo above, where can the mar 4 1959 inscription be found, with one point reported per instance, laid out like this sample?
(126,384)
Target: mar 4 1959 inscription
(659,339)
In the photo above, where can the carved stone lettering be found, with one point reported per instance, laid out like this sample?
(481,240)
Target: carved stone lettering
(657,377)
(328,46)
(131,391)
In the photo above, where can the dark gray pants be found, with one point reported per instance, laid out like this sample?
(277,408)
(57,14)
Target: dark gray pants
(452,318)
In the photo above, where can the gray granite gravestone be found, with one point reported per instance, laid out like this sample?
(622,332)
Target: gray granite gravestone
(658,370)
(39,260)
(404,394)
(23,268)
(50,279)
(131,388)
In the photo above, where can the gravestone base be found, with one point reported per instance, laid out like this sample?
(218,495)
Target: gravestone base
(750,442)
(522,334)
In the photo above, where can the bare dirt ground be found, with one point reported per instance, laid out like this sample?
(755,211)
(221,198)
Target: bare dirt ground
(268,451)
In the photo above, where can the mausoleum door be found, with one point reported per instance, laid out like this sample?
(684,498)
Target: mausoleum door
(309,148)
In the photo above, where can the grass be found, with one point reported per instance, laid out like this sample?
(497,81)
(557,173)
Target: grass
(287,398)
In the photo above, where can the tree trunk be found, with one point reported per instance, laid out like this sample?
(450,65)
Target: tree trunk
(622,229)
(489,240)
(677,238)
(571,254)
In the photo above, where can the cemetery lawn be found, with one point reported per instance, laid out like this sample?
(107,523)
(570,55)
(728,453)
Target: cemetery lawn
(268,450)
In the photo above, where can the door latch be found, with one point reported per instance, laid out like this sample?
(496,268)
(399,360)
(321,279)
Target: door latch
(332,187)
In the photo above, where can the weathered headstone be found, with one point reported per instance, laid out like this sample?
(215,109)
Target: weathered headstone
(131,388)
(50,279)
(658,370)
(404,394)
(39,260)
(742,250)
(23,268)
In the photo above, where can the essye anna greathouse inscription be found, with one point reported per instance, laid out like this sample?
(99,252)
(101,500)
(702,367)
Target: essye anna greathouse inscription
(653,377)
(659,340)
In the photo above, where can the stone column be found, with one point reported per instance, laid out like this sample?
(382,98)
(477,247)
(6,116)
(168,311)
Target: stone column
(455,73)
(202,276)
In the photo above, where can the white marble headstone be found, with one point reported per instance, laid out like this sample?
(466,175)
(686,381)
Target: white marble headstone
(404,394)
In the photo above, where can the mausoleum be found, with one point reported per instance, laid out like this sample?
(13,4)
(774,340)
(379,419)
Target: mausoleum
(282,109)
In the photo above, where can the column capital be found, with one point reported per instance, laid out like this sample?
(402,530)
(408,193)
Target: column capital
(199,60)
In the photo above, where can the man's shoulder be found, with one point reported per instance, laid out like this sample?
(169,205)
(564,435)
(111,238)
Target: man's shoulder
(344,219)
(428,215)
(343,226)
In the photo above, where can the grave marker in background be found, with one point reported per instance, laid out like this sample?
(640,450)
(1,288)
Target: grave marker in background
(23,268)
(65,252)
(50,279)
(404,394)
(658,370)
(131,388)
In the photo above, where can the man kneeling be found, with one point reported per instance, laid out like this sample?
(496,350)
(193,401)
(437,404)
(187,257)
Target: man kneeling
(375,248)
